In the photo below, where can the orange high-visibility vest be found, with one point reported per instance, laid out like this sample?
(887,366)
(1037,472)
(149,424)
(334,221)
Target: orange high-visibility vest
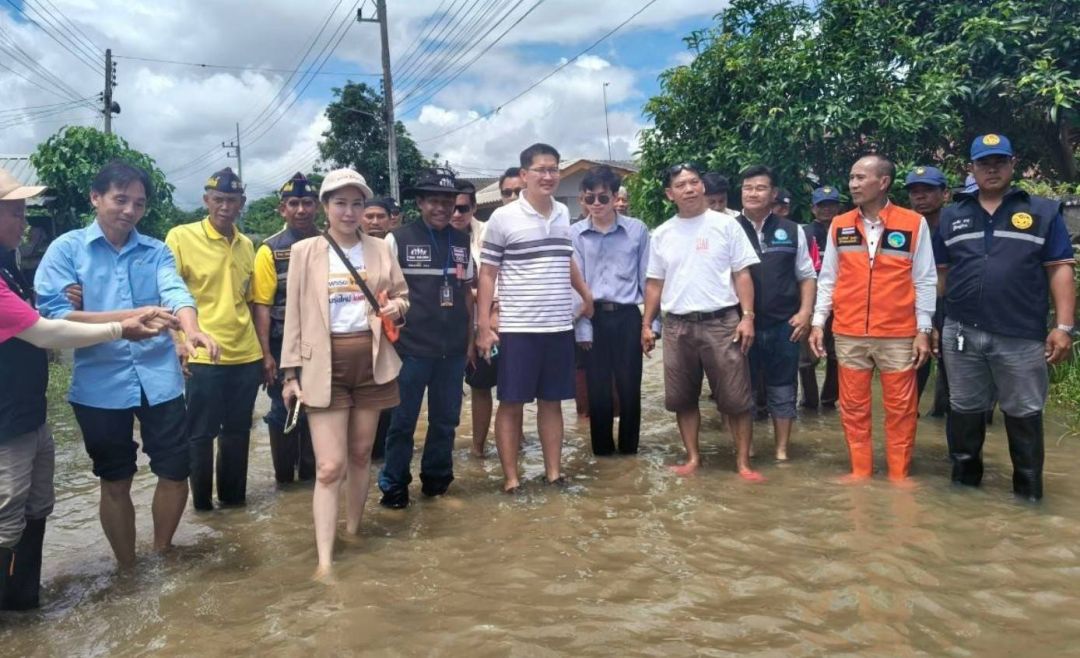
(878,300)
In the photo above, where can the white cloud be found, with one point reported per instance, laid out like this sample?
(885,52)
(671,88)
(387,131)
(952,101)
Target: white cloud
(178,114)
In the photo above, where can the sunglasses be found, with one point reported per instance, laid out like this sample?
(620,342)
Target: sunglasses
(463,209)
(675,170)
(604,199)
(509,192)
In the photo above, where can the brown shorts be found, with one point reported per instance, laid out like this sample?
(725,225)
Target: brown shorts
(692,349)
(352,380)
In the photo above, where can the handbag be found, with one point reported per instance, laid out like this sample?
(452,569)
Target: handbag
(391,330)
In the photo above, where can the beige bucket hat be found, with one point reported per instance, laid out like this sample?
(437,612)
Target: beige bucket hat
(12,190)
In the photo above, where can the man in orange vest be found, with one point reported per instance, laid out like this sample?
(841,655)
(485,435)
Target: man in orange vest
(879,281)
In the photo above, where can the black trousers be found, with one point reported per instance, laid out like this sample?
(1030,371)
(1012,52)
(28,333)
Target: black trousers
(220,402)
(615,357)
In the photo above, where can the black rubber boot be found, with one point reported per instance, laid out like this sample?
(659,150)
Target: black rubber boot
(941,392)
(23,591)
(808,379)
(6,555)
(307,453)
(232,465)
(201,479)
(282,453)
(1026,449)
(432,487)
(968,435)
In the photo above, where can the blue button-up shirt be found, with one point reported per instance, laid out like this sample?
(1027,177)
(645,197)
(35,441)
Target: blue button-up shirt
(613,263)
(143,273)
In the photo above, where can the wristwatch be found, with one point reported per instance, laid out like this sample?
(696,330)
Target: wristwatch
(926,330)
(1067,328)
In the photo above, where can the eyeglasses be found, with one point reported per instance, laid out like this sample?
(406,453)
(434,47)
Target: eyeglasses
(510,192)
(545,171)
(305,202)
(463,209)
(604,199)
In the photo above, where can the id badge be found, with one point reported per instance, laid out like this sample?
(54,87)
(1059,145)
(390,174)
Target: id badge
(446,295)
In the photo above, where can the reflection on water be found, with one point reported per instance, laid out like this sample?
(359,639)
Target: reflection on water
(628,560)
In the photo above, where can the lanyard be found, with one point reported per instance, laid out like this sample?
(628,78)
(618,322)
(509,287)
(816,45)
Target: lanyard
(435,246)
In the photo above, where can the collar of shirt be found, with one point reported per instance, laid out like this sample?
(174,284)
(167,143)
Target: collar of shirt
(527,208)
(94,232)
(620,222)
(874,221)
(213,234)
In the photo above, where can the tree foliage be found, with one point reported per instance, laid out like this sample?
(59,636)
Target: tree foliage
(807,87)
(68,161)
(357,138)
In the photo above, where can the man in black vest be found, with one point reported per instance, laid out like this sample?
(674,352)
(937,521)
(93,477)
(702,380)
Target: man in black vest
(291,452)
(435,260)
(824,205)
(784,287)
(1000,253)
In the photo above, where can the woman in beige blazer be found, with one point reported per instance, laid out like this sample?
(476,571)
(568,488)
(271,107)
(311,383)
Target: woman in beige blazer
(335,357)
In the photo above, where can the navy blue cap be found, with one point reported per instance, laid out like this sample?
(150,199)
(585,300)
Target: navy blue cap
(823,194)
(927,176)
(991,144)
(383,203)
(226,181)
(393,204)
(436,180)
(298,186)
(783,197)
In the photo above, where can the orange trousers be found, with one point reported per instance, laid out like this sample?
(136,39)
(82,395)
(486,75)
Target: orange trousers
(900,399)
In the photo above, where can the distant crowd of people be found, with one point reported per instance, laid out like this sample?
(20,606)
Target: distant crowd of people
(350,328)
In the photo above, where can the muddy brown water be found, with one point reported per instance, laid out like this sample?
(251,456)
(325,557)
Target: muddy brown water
(629,560)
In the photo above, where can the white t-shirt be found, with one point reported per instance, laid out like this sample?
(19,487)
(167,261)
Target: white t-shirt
(348,306)
(695,257)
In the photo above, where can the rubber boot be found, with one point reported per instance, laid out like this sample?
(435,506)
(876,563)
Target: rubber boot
(23,591)
(900,397)
(968,432)
(808,379)
(830,389)
(941,392)
(1026,449)
(281,453)
(306,466)
(201,479)
(6,556)
(855,417)
(232,464)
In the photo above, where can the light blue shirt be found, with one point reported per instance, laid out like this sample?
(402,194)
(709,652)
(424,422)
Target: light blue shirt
(143,273)
(613,264)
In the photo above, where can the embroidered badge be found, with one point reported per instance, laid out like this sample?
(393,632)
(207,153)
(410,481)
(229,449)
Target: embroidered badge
(1022,221)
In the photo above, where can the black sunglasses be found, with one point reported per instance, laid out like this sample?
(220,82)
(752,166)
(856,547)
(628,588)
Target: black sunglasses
(463,209)
(675,170)
(604,199)
(508,192)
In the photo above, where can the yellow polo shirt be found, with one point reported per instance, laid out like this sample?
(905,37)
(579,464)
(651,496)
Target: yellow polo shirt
(218,273)
(264,280)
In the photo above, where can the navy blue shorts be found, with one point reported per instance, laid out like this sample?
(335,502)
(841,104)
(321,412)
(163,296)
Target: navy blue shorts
(536,366)
(108,437)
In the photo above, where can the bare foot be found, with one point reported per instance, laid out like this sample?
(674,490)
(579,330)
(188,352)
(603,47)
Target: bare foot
(511,486)
(324,575)
(750,475)
(477,452)
(350,538)
(685,470)
(851,478)
(781,454)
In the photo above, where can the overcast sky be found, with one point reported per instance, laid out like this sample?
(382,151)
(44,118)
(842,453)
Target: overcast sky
(180,114)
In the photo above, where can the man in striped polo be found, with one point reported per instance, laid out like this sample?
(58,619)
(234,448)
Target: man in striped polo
(527,249)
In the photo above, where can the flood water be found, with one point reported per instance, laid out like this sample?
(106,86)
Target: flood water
(629,560)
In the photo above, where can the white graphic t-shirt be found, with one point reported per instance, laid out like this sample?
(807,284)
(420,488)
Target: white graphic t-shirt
(348,306)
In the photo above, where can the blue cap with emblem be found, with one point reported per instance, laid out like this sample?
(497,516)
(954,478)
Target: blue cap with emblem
(226,181)
(298,186)
(825,193)
(991,144)
(926,176)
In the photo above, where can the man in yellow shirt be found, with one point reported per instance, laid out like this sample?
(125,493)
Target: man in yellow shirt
(216,262)
(291,452)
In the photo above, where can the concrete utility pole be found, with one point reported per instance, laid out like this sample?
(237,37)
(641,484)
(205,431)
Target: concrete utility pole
(235,146)
(607,128)
(388,94)
(108,106)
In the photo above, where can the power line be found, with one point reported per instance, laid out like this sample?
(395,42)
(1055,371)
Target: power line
(88,62)
(409,54)
(10,122)
(22,110)
(433,79)
(36,84)
(12,49)
(435,39)
(545,78)
(257,69)
(64,27)
(74,29)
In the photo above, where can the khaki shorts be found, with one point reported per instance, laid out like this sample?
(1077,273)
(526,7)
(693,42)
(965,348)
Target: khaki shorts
(352,378)
(27,463)
(864,353)
(693,349)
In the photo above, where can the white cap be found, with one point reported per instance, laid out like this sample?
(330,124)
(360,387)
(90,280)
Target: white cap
(12,190)
(340,178)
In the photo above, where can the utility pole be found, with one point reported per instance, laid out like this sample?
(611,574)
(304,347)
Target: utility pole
(607,128)
(236,147)
(108,106)
(388,94)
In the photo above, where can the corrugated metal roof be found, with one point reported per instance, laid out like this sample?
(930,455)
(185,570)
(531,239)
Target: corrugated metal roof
(19,166)
(491,195)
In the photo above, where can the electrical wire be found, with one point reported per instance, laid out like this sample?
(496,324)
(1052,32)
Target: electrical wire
(74,30)
(536,84)
(258,69)
(82,58)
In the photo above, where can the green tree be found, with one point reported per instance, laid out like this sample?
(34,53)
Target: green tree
(806,88)
(261,217)
(357,138)
(68,161)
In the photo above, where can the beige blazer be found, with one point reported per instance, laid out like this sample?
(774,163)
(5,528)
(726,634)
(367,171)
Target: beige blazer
(306,344)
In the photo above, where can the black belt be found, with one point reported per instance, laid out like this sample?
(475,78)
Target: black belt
(611,307)
(702,316)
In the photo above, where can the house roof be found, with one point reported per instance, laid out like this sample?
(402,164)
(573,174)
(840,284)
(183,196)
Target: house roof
(491,196)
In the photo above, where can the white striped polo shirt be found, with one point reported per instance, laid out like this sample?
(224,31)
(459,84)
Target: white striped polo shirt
(533,255)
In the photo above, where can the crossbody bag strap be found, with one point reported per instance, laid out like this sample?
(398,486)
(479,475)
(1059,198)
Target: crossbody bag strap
(354,274)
